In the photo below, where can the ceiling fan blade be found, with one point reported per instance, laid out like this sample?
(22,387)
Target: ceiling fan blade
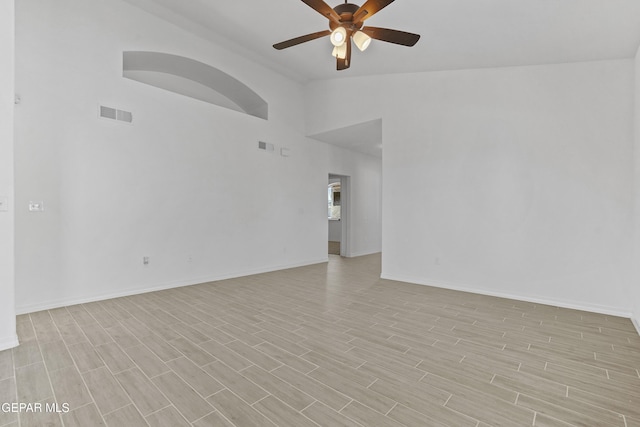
(370,8)
(345,63)
(391,36)
(322,8)
(301,39)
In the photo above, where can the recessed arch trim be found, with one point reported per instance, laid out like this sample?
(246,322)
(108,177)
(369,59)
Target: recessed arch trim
(194,79)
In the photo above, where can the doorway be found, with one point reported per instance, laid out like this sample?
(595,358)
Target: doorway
(338,215)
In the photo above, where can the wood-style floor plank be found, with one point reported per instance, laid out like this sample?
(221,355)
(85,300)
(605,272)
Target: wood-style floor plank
(322,345)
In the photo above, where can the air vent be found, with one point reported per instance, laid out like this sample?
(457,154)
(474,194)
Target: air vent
(108,113)
(124,116)
(265,146)
(115,114)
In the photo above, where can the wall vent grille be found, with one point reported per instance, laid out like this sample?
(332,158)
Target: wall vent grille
(115,114)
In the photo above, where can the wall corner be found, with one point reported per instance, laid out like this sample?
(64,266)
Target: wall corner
(8,336)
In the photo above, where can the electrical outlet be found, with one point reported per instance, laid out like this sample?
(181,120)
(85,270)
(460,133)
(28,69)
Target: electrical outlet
(36,206)
(145,260)
(4,204)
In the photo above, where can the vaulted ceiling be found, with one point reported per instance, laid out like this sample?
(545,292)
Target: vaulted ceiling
(456,34)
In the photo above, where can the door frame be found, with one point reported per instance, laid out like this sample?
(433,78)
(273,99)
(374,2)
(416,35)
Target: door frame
(345,213)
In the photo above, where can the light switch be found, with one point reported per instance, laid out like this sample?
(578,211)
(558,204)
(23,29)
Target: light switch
(4,204)
(37,206)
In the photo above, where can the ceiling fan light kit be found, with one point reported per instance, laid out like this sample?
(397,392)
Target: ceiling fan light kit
(346,24)
(339,36)
(361,40)
(340,52)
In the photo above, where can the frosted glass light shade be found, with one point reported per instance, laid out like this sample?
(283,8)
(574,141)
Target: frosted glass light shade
(340,52)
(339,36)
(361,40)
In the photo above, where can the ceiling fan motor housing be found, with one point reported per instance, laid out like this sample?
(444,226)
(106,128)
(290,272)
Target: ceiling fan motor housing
(346,11)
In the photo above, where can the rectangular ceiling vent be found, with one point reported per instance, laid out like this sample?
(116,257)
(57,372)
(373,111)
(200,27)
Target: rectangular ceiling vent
(115,114)
(265,146)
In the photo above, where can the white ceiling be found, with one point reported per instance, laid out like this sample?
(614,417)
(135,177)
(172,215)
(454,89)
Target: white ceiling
(456,34)
(363,137)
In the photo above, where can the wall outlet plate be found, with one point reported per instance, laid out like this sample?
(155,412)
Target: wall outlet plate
(36,206)
(4,204)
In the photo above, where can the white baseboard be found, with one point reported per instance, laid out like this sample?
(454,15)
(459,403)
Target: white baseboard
(357,254)
(593,308)
(64,302)
(9,342)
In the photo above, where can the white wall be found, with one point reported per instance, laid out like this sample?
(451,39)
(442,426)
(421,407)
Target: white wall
(635,286)
(513,182)
(184,185)
(335,230)
(8,336)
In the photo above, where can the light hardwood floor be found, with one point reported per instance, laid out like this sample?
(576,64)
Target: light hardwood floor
(329,345)
(334,248)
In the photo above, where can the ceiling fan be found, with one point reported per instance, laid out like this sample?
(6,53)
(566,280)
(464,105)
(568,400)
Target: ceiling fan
(346,24)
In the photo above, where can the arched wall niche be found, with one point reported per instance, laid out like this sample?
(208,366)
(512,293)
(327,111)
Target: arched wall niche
(194,79)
